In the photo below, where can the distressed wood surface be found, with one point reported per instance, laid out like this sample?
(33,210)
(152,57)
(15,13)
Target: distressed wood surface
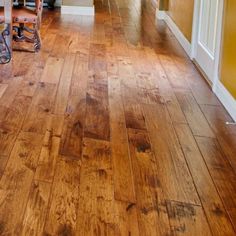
(110,130)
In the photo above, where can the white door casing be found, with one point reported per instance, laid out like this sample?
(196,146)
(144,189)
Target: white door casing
(207,29)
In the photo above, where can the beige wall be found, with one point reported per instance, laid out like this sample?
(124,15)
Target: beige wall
(228,66)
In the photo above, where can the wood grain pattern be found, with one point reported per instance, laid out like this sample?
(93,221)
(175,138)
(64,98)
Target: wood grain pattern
(152,214)
(126,218)
(16,181)
(194,115)
(111,130)
(219,223)
(166,147)
(11,122)
(48,157)
(64,85)
(73,130)
(123,181)
(97,113)
(62,218)
(168,96)
(97,58)
(11,91)
(225,134)
(3,88)
(96,201)
(36,209)
(52,70)
(187,219)
(40,109)
(221,172)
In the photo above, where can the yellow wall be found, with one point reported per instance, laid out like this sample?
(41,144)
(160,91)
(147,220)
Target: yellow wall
(228,66)
(163,5)
(181,11)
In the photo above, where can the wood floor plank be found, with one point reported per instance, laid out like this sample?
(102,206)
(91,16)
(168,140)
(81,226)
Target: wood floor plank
(64,85)
(168,95)
(97,57)
(36,209)
(52,70)
(23,65)
(152,215)
(33,76)
(112,64)
(7,139)
(40,109)
(194,115)
(3,88)
(74,45)
(111,130)
(3,112)
(97,111)
(96,201)
(130,96)
(217,117)
(200,88)
(133,114)
(48,42)
(123,180)
(73,130)
(125,66)
(174,176)
(62,215)
(187,219)
(221,171)
(48,158)
(148,90)
(16,181)
(175,76)
(126,218)
(3,163)
(61,45)
(11,123)
(17,111)
(11,91)
(220,223)
(98,34)
(55,125)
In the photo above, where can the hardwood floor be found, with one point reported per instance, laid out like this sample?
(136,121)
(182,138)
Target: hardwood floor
(110,130)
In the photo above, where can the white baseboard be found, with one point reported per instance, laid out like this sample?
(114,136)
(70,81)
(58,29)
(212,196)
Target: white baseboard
(58,3)
(226,98)
(162,15)
(78,10)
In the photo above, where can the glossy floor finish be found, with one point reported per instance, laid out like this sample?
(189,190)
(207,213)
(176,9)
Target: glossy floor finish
(110,130)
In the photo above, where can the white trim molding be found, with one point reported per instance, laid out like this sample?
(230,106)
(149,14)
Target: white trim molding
(226,98)
(162,15)
(190,48)
(195,28)
(58,3)
(78,10)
